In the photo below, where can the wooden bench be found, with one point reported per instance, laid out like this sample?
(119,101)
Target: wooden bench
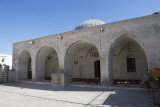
(154,87)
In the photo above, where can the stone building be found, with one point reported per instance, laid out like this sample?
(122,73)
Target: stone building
(6,60)
(94,51)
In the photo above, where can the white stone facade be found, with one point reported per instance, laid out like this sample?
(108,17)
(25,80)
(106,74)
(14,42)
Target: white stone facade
(6,60)
(69,53)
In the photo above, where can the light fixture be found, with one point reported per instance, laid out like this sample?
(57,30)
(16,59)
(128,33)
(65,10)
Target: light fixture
(60,37)
(101,29)
(31,42)
(129,49)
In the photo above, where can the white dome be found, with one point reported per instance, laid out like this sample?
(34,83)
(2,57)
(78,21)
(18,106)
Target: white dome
(90,23)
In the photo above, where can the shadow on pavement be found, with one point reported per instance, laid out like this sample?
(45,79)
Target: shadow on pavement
(122,96)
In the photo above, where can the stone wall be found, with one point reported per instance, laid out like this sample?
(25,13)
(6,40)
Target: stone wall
(83,64)
(7,75)
(12,76)
(145,31)
(4,73)
(120,64)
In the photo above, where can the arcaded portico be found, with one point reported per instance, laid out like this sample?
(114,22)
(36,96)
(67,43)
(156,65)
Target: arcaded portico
(94,51)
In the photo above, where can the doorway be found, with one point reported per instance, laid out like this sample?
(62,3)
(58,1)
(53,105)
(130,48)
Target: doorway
(97,69)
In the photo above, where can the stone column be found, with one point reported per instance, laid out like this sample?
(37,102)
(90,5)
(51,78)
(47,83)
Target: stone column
(33,69)
(15,68)
(106,77)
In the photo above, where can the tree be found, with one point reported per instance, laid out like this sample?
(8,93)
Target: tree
(156,13)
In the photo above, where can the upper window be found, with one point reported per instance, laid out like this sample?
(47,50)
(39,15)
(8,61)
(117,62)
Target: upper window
(131,66)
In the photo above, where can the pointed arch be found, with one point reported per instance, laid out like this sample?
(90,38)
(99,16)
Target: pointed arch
(24,66)
(79,61)
(46,63)
(120,56)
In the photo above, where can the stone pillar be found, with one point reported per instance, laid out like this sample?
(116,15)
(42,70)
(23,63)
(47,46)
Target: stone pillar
(15,67)
(105,73)
(68,68)
(33,70)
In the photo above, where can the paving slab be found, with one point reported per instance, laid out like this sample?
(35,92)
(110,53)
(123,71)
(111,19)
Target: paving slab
(25,94)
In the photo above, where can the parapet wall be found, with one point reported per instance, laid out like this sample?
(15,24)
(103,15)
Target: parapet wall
(6,75)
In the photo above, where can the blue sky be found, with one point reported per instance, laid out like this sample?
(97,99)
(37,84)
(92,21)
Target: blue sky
(22,20)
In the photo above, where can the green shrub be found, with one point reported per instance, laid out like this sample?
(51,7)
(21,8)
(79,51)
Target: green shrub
(156,13)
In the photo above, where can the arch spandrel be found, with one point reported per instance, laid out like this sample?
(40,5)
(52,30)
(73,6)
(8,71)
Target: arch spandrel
(81,41)
(128,36)
(38,49)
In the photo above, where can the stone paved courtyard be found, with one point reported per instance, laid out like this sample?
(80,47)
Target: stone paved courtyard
(27,94)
